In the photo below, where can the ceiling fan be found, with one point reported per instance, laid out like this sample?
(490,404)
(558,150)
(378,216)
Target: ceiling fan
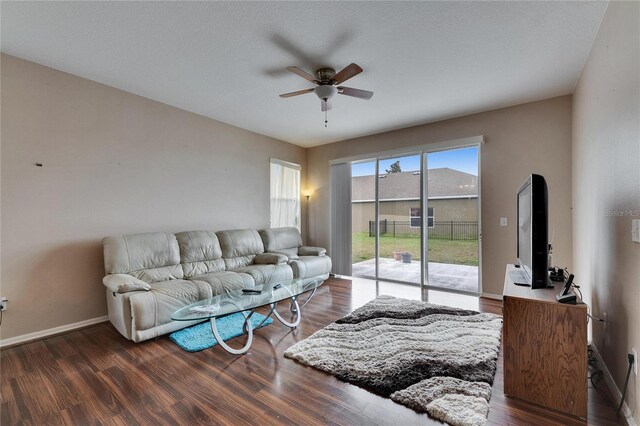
(327,85)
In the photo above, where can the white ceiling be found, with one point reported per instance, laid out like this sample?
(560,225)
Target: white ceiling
(425,61)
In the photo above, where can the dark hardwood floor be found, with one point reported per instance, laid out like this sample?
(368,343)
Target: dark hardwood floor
(96,376)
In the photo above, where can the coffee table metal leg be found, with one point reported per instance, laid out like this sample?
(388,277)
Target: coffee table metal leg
(293,324)
(293,308)
(309,297)
(247,326)
(313,292)
(266,317)
(247,320)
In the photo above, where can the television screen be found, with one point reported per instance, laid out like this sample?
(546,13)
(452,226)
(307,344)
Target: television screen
(524,230)
(533,249)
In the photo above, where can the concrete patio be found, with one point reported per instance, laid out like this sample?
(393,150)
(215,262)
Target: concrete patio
(445,275)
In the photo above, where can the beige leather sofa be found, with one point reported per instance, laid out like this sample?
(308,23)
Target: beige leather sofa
(151,275)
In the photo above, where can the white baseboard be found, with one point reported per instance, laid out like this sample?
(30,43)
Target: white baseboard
(50,332)
(617,395)
(491,296)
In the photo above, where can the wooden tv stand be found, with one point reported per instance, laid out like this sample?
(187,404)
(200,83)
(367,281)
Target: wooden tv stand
(545,348)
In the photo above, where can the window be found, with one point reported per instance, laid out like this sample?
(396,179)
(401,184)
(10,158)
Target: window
(414,217)
(285,194)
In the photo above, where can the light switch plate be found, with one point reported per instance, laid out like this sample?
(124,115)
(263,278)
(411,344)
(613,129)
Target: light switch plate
(503,221)
(635,230)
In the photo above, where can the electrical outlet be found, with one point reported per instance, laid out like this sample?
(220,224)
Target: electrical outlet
(635,361)
(3,303)
(503,221)
(606,321)
(635,230)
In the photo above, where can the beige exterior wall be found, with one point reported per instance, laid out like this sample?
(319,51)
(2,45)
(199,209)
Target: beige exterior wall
(523,139)
(444,210)
(457,210)
(606,189)
(113,163)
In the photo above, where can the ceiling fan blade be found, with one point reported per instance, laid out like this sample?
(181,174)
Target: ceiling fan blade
(303,74)
(349,71)
(356,93)
(325,106)
(299,92)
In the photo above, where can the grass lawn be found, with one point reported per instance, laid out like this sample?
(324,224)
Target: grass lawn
(441,251)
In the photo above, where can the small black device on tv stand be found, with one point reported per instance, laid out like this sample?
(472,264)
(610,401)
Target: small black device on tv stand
(566,295)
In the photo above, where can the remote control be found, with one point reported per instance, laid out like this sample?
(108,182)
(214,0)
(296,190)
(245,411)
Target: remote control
(251,291)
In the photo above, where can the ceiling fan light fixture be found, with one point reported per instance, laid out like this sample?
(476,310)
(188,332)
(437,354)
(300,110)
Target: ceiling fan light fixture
(325,91)
(327,85)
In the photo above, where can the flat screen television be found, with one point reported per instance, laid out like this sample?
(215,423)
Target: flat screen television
(533,224)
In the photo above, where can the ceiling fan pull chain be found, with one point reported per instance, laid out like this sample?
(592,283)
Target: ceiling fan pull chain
(326,107)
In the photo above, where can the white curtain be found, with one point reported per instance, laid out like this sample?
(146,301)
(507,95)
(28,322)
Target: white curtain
(341,218)
(285,194)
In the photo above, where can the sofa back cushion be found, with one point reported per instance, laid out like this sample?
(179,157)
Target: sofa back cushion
(283,240)
(150,257)
(239,247)
(200,253)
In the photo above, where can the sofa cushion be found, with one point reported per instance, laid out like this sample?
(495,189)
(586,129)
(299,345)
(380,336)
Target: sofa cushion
(239,247)
(200,252)
(311,266)
(268,274)
(276,239)
(270,259)
(223,282)
(290,253)
(150,257)
(154,307)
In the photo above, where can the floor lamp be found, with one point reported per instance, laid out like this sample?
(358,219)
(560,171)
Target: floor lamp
(307,193)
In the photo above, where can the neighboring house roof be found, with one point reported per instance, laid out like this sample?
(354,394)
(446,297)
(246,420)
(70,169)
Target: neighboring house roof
(443,183)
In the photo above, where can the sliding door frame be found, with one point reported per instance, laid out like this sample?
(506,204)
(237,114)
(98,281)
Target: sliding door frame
(423,151)
(376,208)
(424,241)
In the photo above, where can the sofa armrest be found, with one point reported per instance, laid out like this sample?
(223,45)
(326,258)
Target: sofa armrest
(124,283)
(289,254)
(270,259)
(311,251)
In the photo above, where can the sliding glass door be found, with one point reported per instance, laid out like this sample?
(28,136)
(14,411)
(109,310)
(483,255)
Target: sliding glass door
(363,213)
(399,220)
(453,212)
(415,218)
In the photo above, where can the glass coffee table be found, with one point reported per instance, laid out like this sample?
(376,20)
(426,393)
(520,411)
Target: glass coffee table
(239,301)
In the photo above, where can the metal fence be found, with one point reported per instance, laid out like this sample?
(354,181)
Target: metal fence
(441,230)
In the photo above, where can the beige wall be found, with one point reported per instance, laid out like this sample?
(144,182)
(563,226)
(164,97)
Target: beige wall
(524,139)
(457,209)
(606,182)
(113,163)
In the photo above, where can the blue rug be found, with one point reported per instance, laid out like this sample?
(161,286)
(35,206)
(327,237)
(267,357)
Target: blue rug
(200,336)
